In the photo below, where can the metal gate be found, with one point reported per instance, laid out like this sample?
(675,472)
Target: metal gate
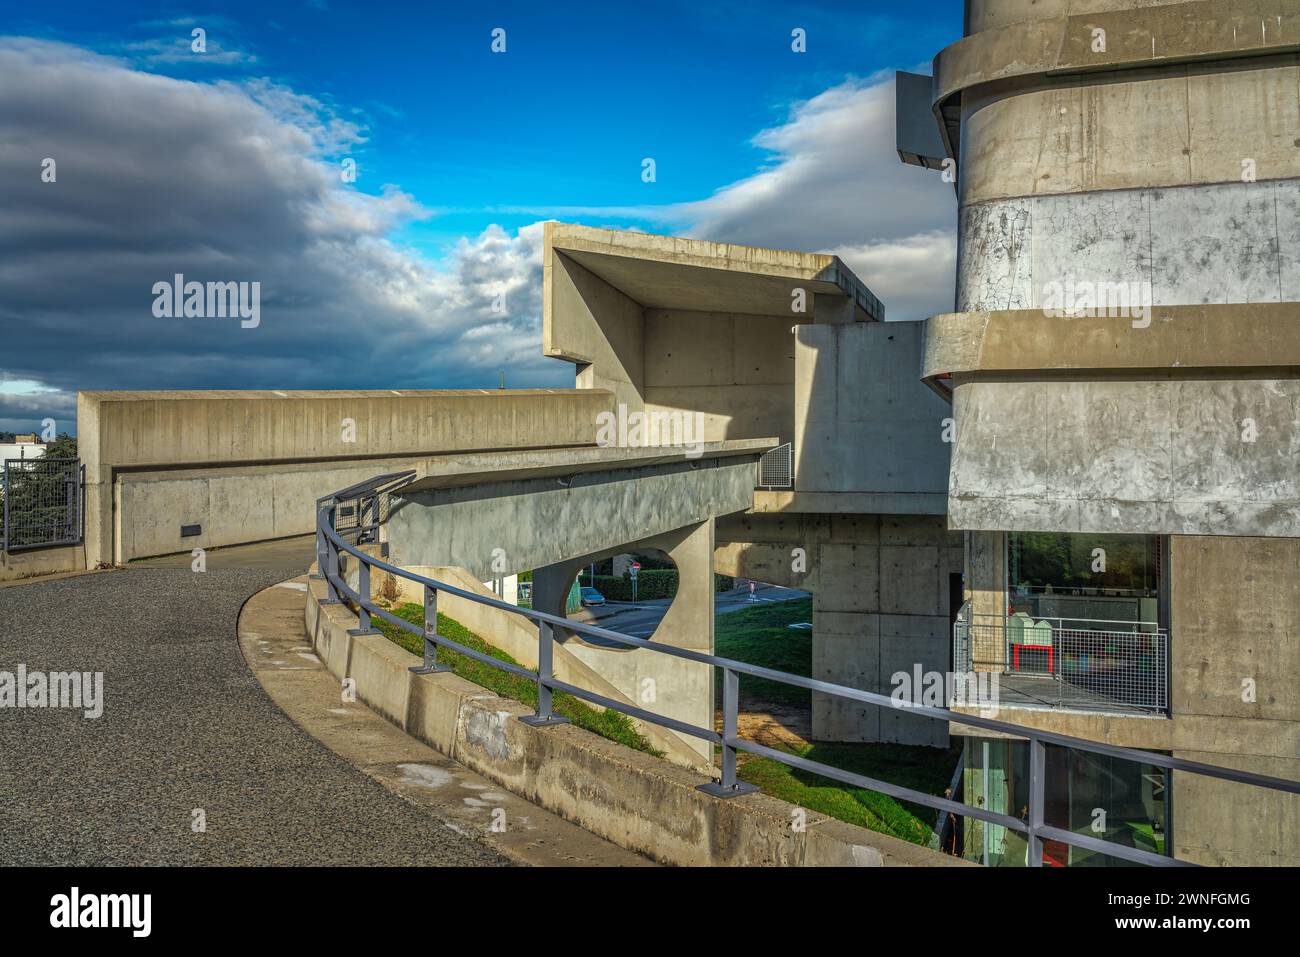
(42,503)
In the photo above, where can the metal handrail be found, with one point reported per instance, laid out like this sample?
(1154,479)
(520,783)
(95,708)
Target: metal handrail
(330,545)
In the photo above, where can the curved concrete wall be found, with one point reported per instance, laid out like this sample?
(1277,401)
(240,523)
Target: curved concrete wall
(1171,172)
(1166,159)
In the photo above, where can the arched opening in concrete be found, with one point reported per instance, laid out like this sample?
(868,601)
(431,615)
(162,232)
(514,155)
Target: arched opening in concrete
(629,592)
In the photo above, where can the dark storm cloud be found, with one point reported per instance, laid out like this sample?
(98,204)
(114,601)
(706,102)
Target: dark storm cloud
(224,182)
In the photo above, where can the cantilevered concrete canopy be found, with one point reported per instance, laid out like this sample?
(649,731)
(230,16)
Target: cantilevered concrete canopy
(670,272)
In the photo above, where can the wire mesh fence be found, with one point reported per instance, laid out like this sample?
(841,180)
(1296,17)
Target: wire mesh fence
(776,467)
(1070,663)
(363,514)
(42,503)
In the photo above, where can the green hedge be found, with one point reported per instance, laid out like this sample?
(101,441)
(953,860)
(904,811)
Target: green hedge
(651,583)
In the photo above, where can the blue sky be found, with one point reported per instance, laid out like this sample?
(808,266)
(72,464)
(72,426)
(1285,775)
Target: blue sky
(556,127)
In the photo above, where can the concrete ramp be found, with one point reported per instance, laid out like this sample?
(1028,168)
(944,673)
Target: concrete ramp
(498,514)
(550,512)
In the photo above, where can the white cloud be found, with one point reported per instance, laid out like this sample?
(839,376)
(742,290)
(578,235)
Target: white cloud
(834,183)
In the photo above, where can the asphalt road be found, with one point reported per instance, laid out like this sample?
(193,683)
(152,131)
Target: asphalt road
(185,727)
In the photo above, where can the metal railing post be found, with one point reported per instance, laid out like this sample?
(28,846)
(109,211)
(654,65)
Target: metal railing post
(332,596)
(320,543)
(1037,791)
(364,627)
(545,669)
(8,495)
(430,665)
(728,786)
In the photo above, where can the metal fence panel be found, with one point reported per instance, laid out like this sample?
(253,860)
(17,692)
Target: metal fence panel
(1070,663)
(776,467)
(42,503)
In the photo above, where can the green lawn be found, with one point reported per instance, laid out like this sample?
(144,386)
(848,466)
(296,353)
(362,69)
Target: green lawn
(604,722)
(761,636)
(923,769)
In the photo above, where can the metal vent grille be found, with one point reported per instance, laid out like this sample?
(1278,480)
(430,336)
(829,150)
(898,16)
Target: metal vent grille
(776,468)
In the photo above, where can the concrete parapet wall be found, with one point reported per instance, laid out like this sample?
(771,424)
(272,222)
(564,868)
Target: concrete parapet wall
(248,449)
(41,561)
(517,637)
(625,796)
(503,525)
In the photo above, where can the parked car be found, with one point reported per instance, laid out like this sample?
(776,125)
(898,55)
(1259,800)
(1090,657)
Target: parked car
(592,597)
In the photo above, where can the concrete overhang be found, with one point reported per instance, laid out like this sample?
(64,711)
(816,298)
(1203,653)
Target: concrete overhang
(1232,338)
(1057,48)
(671,272)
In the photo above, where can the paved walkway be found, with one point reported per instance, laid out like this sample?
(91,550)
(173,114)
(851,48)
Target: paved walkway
(185,726)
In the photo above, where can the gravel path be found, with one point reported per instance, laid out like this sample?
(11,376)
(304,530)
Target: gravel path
(185,726)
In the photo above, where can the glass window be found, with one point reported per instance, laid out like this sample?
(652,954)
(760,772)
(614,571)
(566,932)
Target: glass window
(1081,579)
(1087,793)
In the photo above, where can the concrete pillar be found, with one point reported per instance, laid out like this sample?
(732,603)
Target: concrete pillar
(551,585)
(880,609)
(671,686)
(986,590)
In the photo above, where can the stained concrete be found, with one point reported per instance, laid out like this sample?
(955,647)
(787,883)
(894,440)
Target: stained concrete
(280,654)
(626,796)
(1169,160)
(526,523)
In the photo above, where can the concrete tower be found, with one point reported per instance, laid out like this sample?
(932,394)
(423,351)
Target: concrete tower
(1122,366)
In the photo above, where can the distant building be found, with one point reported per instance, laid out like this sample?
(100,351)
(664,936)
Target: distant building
(25,446)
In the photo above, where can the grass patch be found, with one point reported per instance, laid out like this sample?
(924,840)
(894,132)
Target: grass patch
(761,636)
(605,722)
(924,769)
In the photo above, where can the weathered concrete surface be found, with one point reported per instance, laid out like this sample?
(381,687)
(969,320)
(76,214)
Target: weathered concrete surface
(1016,43)
(628,797)
(41,561)
(525,523)
(1069,134)
(864,423)
(1218,243)
(881,589)
(1252,337)
(1158,456)
(629,309)
(248,448)
(280,654)
(1164,159)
